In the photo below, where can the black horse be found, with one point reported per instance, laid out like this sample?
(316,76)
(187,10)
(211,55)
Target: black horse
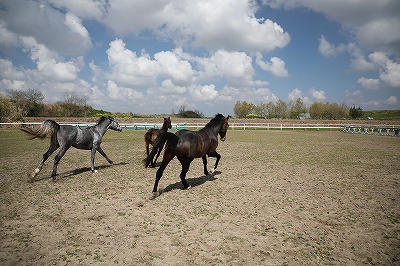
(187,145)
(65,136)
(153,133)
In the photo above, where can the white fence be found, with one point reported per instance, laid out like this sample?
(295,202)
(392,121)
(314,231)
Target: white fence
(362,129)
(236,126)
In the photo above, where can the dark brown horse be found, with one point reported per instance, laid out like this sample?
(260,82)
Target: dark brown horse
(153,133)
(187,145)
(67,136)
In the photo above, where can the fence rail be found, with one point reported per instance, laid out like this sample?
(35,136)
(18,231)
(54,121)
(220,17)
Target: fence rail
(390,130)
(178,126)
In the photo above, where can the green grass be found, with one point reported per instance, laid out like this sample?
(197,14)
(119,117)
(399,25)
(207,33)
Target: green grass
(383,115)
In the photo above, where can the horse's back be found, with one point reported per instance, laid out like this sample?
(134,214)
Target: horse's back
(76,137)
(192,143)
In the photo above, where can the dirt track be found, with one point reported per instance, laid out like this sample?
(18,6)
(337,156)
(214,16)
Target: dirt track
(278,198)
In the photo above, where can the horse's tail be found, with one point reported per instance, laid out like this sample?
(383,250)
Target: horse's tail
(47,126)
(167,138)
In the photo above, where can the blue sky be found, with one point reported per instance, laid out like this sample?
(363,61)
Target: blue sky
(152,57)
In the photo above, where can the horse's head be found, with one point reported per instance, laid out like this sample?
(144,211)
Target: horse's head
(224,128)
(167,121)
(114,125)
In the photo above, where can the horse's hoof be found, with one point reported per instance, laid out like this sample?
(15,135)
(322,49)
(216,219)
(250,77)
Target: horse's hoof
(155,195)
(95,171)
(34,173)
(189,187)
(211,171)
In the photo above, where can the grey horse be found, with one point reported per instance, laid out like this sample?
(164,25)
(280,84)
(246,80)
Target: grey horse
(67,136)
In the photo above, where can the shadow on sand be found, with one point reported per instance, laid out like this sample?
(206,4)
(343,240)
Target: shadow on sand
(193,182)
(79,171)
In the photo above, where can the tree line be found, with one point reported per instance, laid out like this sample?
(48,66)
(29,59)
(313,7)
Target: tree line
(20,104)
(296,110)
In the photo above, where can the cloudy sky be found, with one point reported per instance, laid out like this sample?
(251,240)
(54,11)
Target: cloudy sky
(152,57)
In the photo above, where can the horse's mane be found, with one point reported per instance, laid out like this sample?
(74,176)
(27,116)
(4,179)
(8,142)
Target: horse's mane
(214,120)
(103,118)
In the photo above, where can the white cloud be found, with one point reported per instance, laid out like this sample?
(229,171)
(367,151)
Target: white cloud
(318,95)
(75,24)
(8,40)
(9,72)
(92,9)
(327,49)
(355,94)
(375,23)
(380,34)
(211,24)
(203,93)
(130,70)
(389,69)
(179,71)
(250,94)
(123,94)
(168,87)
(369,84)
(50,65)
(358,61)
(276,65)
(59,32)
(390,103)
(235,67)
(392,100)
(295,94)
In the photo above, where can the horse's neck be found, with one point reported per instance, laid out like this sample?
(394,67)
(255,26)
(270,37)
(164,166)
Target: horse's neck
(215,128)
(102,128)
(212,130)
(164,127)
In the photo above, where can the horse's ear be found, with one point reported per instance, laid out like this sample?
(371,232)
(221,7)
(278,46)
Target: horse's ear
(228,117)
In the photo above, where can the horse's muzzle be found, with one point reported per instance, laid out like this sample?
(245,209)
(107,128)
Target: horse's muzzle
(223,139)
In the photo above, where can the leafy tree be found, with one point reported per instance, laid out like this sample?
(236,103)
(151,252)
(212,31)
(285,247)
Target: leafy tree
(271,110)
(356,112)
(8,111)
(28,103)
(189,113)
(281,109)
(297,108)
(241,109)
(319,110)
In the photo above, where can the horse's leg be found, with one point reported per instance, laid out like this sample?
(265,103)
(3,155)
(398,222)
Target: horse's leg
(158,154)
(168,156)
(92,155)
(205,164)
(57,159)
(53,146)
(218,156)
(185,169)
(100,150)
(147,148)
